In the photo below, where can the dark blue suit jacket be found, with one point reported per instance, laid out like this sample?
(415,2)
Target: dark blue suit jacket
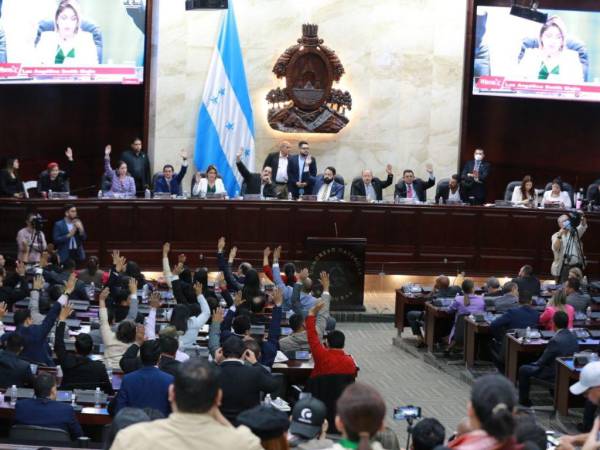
(294,175)
(36,344)
(147,387)
(161,184)
(472,187)
(521,317)
(47,413)
(61,241)
(337,189)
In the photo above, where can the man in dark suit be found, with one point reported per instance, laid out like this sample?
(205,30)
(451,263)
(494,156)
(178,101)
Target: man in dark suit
(371,187)
(451,192)
(241,383)
(473,177)
(256,183)
(411,187)
(68,236)
(278,162)
(300,169)
(147,387)
(167,362)
(45,411)
(79,371)
(527,282)
(138,165)
(14,370)
(564,343)
(325,186)
(509,300)
(169,181)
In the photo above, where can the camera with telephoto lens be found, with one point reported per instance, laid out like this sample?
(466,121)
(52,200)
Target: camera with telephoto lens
(38,222)
(573,221)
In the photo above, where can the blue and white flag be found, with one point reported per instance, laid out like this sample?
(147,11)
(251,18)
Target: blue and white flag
(225,123)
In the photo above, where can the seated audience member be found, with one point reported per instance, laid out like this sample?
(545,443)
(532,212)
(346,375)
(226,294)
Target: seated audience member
(414,188)
(138,164)
(556,196)
(31,244)
(527,282)
(92,272)
(330,359)
(509,300)
(528,431)
(371,187)
(525,193)
(441,289)
(211,184)
(465,304)
(147,387)
(121,181)
(308,425)
(558,302)
(10,183)
(451,193)
(196,421)
(169,182)
(427,434)
(115,343)
(241,384)
(168,350)
(256,183)
(301,170)
(490,413)
(44,410)
(59,278)
(306,299)
(575,298)
(79,371)
(189,319)
(36,347)
(125,418)
(360,415)
(56,180)
(575,272)
(325,186)
(269,424)
(516,318)
(14,370)
(563,343)
(492,288)
(13,287)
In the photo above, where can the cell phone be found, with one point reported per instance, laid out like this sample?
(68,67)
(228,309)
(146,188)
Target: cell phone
(407,412)
(302,355)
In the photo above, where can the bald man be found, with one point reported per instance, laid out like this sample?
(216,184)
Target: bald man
(278,162)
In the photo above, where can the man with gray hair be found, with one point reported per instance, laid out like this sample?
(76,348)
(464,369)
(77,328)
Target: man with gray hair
(371,187)
(492,288)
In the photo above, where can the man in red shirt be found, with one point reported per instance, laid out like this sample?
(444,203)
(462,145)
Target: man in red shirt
(330,359)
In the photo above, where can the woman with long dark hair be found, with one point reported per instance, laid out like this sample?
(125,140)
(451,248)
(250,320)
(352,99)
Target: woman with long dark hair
(525,193)
(10,183)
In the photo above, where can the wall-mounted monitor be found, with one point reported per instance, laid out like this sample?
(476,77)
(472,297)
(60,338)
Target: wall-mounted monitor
(72,41)
(516,57)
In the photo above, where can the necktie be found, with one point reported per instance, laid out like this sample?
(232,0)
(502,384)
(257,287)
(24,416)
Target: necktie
(324,194)
(409,191)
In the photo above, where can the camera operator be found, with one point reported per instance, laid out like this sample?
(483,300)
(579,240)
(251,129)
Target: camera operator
(567,246)
(31,241)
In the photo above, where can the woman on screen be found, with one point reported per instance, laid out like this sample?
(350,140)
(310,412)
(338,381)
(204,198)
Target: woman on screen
(209,185)
(552,61)
(67,44)
(524,194)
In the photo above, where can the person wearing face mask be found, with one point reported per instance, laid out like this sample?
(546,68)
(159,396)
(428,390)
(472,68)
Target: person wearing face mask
(567,248)
(300,170)
(325,186)
(414,188)
(54,179)
(474,176)
(121,182)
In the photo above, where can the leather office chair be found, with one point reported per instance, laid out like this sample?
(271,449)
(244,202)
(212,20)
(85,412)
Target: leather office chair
(32,434)
(590,190)
(339,179)
(510,188)
(441,184)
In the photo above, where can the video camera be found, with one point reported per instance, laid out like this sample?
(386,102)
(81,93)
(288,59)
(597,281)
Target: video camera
(38,222)
(573,221)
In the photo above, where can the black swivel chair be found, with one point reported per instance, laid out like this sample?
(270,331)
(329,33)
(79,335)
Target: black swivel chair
(443,183)
(30,434)
(592,188)
(510,188)
(339,179)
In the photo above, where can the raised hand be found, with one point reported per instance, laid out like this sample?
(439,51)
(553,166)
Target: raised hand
(166,249)
(107,151)
(38,282)
(184,154)
(217,315)
(155,300)
(69,153)
(266,252)
(388,169)
(121,263)
(70,285)
(324,277)
(115,257)
(20,268)
(133,286)
(429,167)
(65,312)
(177,269)
(103,296)
(238,155)
(221,244)
(278,296)
(276,254)
(232,253)
(198,289)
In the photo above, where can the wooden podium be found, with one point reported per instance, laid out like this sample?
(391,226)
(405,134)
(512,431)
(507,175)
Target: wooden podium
(344,260)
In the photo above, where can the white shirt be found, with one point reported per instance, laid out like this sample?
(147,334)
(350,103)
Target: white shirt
(72,241)
(282,169)
(370,192)
(563,197)
(324,192)
(454,196)
(201,187)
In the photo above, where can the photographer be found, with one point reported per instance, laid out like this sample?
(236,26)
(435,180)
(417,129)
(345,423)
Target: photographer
(31,241)
(567,246)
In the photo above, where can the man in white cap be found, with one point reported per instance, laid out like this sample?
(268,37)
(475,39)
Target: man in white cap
(588,386)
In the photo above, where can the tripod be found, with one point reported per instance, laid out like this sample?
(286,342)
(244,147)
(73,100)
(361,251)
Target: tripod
(572,248)
(409,427)
(37,236)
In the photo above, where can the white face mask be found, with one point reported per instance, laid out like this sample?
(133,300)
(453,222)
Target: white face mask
(478,157)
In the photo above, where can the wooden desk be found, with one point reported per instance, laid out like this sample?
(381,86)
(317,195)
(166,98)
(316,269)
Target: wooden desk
(438,323)
(566,375)
(398,236)
(475,333)
(405,303)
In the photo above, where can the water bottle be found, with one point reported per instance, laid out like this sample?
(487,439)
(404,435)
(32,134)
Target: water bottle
(50,193)
(91,291)
(579,199)
(527,334)
(13,395)
(97,398)
(441,200)
(100,194)
(73,398)
(588,312)
(109,373)
(147,193)
(268,401)
(146,292)
(290,196)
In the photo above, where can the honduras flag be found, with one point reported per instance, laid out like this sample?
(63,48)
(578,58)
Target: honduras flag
(225,123)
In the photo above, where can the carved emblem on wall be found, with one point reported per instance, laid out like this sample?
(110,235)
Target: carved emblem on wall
(309,103)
